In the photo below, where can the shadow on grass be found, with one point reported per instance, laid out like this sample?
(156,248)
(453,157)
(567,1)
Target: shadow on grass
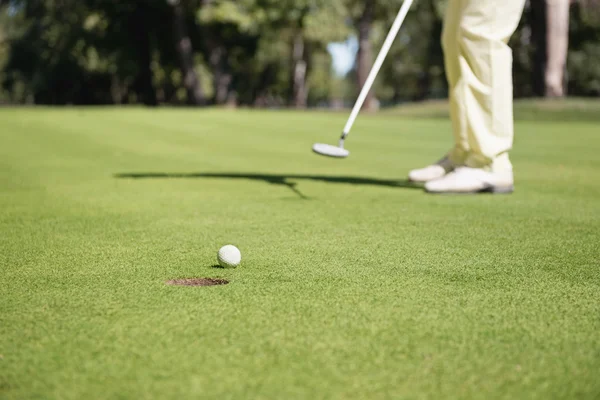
(274,179)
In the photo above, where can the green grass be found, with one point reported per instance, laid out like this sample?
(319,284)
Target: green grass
(351,287)
(561,110)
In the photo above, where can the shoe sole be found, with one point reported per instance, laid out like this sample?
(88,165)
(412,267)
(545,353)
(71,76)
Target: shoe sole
(500,190)
(489,190)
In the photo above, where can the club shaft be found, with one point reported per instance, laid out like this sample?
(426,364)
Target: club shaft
(377,66)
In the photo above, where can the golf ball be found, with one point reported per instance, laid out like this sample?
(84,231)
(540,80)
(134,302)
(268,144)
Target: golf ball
(229,256)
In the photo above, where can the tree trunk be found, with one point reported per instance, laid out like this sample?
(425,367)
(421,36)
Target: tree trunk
(539,39)
(222,78)
(299,71)
(550,31)
(365,51)
(434,55)
(557,33)
(140,31)
(116,90)
(195,95)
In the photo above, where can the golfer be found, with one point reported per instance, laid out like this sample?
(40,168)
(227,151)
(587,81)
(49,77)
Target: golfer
(479,71)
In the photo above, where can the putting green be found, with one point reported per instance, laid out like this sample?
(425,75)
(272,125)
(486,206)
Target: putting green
(353,283)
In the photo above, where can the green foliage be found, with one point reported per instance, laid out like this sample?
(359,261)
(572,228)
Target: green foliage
(107,51)
(588,74)
(584,56)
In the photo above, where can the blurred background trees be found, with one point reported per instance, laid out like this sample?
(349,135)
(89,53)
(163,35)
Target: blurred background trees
(267,53)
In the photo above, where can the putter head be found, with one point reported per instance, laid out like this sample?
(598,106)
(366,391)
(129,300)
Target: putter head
(330,151)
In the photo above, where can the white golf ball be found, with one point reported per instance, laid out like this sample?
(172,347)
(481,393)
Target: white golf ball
(229,256)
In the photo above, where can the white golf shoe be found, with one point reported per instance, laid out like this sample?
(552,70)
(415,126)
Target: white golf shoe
(472,180)
(431,172)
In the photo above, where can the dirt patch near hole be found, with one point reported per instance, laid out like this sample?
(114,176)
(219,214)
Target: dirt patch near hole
(197,282)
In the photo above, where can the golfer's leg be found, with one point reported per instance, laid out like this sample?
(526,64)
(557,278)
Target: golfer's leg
(451,49)
(458,154)
(486,79)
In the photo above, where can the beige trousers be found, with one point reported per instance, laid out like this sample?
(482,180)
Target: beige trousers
(479,71)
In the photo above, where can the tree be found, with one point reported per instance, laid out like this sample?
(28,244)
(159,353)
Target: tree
(231,32)
(364,58)
(372,20)
(584,49)
(557,44)
(310,27)
(141,32)
(185,50)
(550,30)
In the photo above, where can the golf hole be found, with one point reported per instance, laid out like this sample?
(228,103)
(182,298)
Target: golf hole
(197,282)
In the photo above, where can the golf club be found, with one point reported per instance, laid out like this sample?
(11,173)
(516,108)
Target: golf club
(339,151)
